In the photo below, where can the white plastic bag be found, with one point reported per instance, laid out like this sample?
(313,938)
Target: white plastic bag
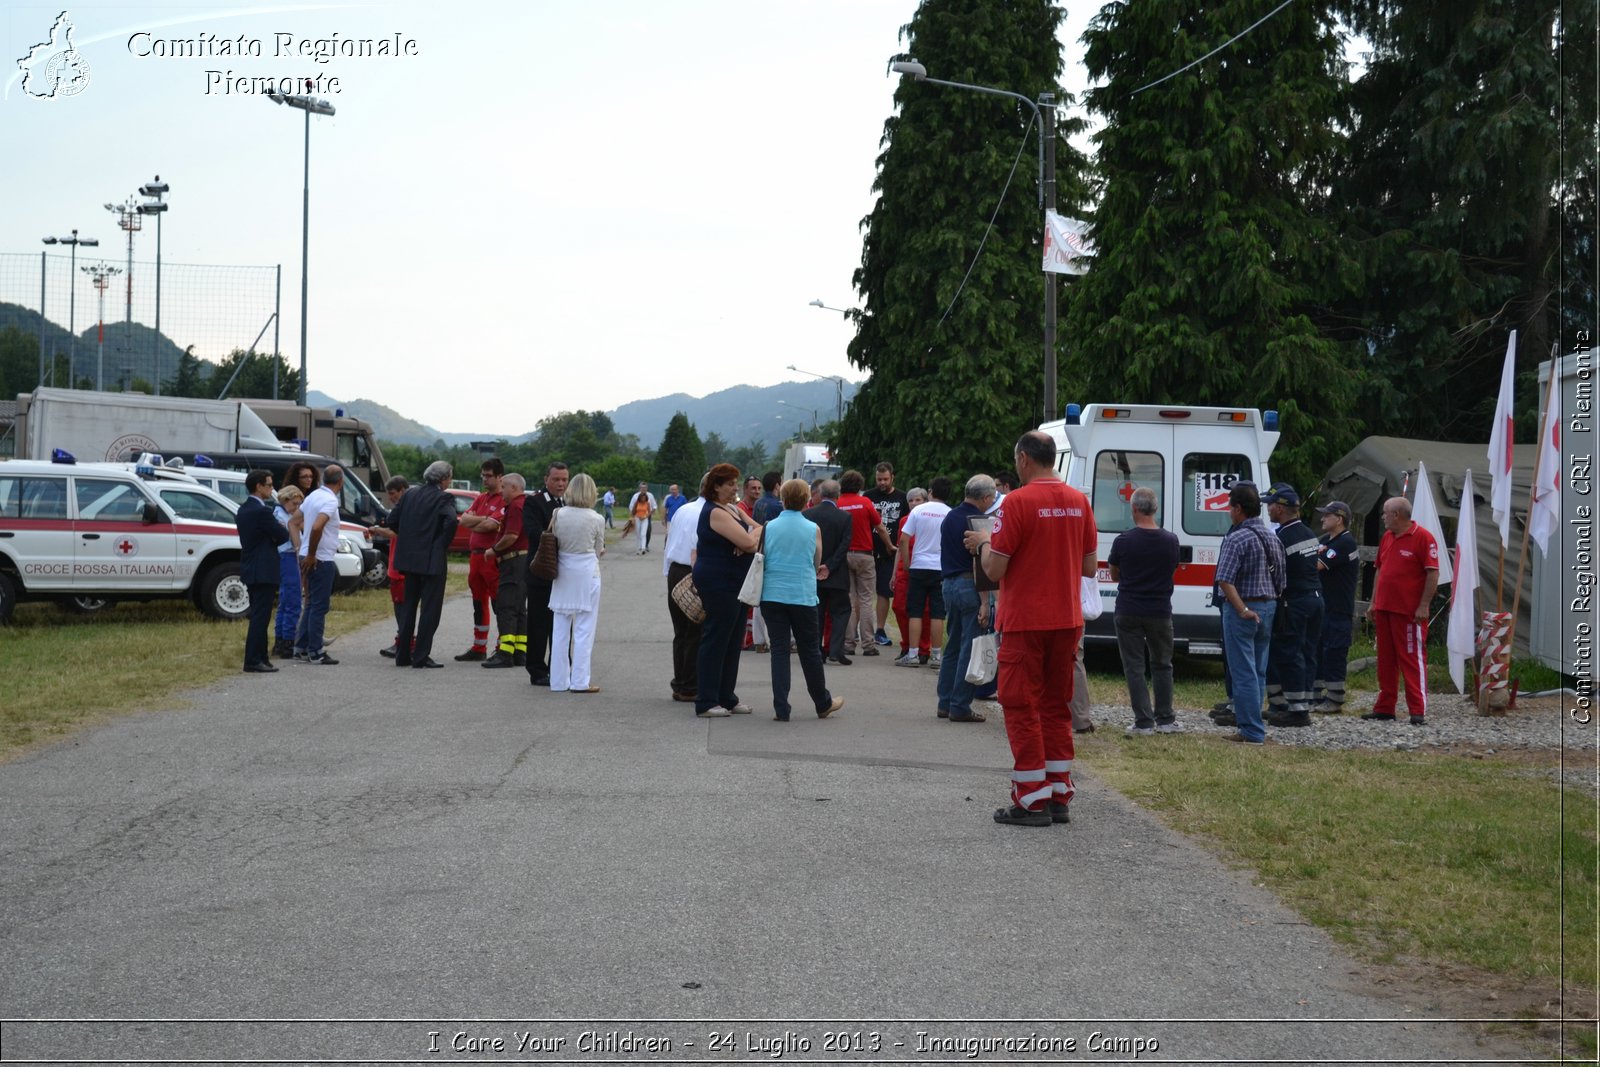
(1089,593)
(985,661)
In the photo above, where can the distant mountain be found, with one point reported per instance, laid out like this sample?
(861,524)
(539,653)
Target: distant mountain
(741,414)
(132,351)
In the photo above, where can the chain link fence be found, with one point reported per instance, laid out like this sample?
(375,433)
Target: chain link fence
(104,335)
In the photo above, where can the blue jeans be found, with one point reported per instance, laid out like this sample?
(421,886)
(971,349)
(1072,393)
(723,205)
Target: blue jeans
(319,591)
(288,596)
(1248,643)
(961,626)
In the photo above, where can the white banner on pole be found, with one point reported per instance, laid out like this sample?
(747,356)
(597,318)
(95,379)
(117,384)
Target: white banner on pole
(1067,248)
(1425,512)
(1460,642)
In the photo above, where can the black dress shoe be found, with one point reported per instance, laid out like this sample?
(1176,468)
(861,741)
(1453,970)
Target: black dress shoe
(388,653)
(840,661)
(471,655)
(499,659)
(427,662)
(260,668)
(540,679)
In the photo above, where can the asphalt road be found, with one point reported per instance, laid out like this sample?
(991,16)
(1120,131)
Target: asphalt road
(362,842)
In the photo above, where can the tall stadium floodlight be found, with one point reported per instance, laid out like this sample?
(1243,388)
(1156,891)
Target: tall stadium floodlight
(1044,112)
(102,275)
(311,106)
(156,206)
(128,218)
(72,303)
(838,388)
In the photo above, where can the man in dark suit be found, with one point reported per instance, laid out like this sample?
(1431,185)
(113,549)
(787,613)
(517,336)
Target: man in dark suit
(833,588)
(259,538)
(537,510)
(423,521)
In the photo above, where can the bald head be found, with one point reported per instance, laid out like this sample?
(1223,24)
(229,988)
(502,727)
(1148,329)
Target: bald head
(1397,514)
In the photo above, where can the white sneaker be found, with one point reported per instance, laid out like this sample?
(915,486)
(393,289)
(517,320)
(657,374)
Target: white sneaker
(739,709)
(936,660)
(1139,731)
(910,659)
(1169,728)
(713,713)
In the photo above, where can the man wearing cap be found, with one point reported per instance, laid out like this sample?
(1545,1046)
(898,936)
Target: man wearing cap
(1250,574)
(1408,576)
(1297,629)
(1338,566)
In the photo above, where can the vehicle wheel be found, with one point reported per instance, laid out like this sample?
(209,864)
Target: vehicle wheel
(8,598)
(377,575)
(85,605)
(222,593)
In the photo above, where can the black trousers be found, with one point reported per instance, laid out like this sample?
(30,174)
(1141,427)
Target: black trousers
(255,639)
(511,601)
(540,626)
(424,592)
(685,637)
(782,619)
(834,604)
(721,640)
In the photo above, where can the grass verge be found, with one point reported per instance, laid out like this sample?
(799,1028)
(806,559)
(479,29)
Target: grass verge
(1397,855)
(63,672)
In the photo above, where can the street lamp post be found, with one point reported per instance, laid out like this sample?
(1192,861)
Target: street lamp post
(815,422)
(72,303)
(311,106)
(156,206)
(1044,112)
(838,389)
(819,304)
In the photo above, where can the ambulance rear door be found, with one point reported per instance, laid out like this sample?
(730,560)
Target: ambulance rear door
(1118,458)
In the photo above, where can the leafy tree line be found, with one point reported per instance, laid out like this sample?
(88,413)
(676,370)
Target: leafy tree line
(1274,229)
(194,377)
(588,442)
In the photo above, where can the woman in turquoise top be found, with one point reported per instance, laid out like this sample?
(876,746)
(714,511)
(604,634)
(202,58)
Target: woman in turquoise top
(792,551)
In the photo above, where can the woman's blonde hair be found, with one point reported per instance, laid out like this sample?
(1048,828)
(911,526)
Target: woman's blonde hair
(289,494)
(581,493)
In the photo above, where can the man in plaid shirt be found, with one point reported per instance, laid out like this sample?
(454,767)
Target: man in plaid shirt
(1250,574)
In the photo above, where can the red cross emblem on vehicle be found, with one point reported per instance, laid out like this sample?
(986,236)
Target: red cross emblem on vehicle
(126,547)
(1126,492)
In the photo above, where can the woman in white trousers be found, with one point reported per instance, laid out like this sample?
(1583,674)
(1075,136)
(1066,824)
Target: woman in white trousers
(575,594)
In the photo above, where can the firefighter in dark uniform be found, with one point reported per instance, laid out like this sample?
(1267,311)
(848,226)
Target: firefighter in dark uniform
(537,509)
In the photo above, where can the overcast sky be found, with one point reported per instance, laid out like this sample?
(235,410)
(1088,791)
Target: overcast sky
(548,206)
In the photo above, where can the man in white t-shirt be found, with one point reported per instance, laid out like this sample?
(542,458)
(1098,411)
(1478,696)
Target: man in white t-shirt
(677,561)
(924,584)
(317,551)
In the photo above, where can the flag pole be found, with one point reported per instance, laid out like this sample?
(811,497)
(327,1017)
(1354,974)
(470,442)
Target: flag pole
(1527,527)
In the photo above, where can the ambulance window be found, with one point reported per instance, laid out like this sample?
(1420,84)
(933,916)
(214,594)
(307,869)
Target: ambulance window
(100,500)
(1207,478)
(42,498)
(1116,476)
(10,498)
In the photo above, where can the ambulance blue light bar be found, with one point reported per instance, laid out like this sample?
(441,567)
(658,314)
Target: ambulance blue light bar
(203,461)
(61,455)
(1269,419)
(1074,414)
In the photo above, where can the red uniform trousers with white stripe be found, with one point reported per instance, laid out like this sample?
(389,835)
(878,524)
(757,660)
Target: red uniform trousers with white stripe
(483,581)
(1403,650)
(1036,670)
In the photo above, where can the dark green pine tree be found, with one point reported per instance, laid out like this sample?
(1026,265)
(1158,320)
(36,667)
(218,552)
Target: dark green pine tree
(681,457)
(191,379)
(1474,132)
(952,397)
(1215,252)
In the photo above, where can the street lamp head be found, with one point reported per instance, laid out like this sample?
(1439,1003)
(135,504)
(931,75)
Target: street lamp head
(911,67)
(48,240)
(155,188)
(89,242)
(817,304)
(152,209)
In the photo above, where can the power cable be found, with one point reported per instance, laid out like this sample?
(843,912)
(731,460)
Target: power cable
(1215,50)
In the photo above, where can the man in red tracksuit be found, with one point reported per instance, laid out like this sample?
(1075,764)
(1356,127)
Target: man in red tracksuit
(484,518)
(1408,576)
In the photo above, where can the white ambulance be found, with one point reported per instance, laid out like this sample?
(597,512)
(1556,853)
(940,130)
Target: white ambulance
(1191,457)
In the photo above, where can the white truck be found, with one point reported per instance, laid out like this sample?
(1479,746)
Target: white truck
(808,461)
(111,427)
(1191,457)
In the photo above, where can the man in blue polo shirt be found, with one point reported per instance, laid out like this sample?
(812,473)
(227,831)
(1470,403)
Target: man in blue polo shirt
(960,601)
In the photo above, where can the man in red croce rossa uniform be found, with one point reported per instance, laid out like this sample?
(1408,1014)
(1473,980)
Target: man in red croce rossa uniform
(1408,576)
(485,518)
(1042,544)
